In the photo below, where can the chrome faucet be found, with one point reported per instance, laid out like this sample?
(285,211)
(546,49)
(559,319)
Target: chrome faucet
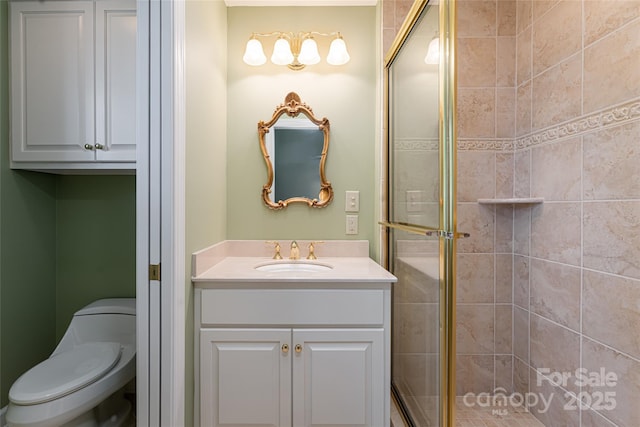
(295,251)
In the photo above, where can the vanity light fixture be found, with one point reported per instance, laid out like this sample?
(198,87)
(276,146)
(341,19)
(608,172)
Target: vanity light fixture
(433,51)
(295,50)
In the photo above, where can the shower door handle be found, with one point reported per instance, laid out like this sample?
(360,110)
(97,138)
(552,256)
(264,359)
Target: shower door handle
(448,234)
(422,230)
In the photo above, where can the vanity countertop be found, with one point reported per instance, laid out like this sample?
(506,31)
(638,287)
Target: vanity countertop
(235,261)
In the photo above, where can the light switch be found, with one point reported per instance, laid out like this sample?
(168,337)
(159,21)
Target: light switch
(352,201)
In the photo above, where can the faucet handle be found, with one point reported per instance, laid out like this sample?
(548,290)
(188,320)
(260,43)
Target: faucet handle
(312,254)
(277,248)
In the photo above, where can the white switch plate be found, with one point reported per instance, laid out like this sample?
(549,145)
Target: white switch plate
(414,197)
(352,201)
(352,224)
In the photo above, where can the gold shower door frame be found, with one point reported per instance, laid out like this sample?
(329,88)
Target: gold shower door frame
(447,231)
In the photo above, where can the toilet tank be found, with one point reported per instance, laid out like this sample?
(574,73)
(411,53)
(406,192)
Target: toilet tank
(106,320)
(109,306)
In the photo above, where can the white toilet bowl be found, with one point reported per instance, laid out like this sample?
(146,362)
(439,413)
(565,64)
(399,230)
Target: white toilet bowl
(81,383)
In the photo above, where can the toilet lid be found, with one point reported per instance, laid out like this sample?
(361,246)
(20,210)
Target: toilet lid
(65,373)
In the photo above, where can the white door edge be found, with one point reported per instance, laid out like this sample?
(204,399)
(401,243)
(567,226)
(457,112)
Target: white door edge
(160,214)
(142,213)
(172,386)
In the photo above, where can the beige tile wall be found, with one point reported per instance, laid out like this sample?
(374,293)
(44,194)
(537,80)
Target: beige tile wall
(486,126)
(559,119)
(486,129)
(577,256)
(393,14)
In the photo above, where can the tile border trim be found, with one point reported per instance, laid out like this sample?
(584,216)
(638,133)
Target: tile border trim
(613,116)
(506,144)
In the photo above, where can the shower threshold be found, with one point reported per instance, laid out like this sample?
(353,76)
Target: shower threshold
(514,416)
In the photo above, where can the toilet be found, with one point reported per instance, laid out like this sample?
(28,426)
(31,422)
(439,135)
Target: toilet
(82,383)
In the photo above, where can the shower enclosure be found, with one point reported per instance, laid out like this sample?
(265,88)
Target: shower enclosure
(421,212)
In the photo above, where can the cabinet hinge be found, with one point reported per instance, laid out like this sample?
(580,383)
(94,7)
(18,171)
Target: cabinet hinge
(154,271)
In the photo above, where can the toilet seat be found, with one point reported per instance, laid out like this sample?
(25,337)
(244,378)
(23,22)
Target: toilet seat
(65,373)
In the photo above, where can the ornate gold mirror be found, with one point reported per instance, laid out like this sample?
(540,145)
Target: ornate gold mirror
(294,144)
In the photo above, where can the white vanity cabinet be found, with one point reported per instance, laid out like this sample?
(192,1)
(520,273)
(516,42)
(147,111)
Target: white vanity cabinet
(73,74)
(306,355)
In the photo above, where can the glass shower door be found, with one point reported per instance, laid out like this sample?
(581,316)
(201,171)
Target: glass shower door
(421,213)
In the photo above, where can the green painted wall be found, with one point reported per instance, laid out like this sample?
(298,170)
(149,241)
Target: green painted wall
(27,252)
(206,145)
(346,95)
(95,242)
(64,242)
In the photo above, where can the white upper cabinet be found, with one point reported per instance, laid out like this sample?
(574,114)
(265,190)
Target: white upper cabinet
(73,85)
(116,80)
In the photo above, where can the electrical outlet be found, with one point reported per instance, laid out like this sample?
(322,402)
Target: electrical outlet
(352,224)
(352,201)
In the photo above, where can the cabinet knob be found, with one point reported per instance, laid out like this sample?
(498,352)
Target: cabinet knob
(88,147)
(298,348)
(99,147)
(285,348)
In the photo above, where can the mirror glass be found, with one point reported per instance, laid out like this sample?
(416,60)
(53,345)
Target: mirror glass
(294,145)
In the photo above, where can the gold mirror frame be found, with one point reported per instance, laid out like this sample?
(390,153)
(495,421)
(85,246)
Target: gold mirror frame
(292,107)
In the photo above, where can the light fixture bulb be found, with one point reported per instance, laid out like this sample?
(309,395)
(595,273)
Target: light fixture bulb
(254,54)
(309,52)
(338,54)
(433,52)
(282,52)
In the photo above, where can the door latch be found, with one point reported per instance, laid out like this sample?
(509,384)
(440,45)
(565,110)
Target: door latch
(154,271)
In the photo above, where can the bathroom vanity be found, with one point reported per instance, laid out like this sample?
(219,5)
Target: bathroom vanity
(291,342)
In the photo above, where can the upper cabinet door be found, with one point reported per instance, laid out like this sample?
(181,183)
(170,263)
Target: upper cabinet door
(52,85)
(115,80)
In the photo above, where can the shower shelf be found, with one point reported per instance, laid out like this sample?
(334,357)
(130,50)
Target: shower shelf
(512,201)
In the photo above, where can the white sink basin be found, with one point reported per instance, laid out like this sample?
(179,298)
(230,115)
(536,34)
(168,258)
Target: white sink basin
(293,267)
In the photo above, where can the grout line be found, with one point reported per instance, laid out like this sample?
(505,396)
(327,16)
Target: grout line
(582,267)
(581,296)
(608,347)
(609,34)
(555,322)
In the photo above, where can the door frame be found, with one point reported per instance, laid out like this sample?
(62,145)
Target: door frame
(447,228)
(160,213)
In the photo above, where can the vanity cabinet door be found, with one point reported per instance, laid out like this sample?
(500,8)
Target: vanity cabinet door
(245,377)
(338,377)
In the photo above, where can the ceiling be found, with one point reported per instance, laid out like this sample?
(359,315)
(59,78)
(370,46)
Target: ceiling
(231,3)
